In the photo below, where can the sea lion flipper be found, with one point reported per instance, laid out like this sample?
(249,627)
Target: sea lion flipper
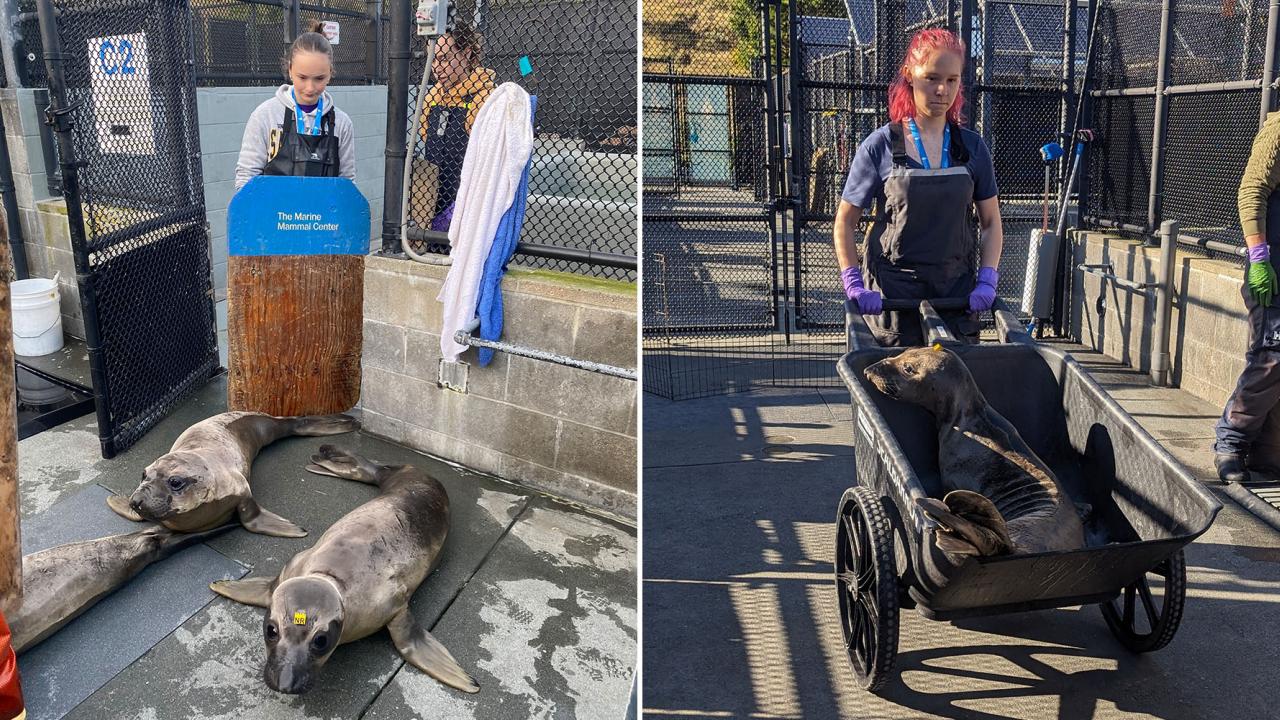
(119,504)
(257,519)
(254,591)
(337,462)
(424,652)
(965,519)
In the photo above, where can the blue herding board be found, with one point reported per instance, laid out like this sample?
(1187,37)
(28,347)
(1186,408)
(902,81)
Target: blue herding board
(274,215)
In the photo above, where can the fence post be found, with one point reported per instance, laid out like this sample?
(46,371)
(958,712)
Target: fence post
(988,53)
(373,8)
(1160,375)
(59,115)
(292,22)
(1069,80)
(1269,59)
(1155,198)
(397,125)
(968,9)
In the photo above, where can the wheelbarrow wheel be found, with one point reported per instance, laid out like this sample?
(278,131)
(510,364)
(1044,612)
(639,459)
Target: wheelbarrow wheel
(867,586)
(1143,622)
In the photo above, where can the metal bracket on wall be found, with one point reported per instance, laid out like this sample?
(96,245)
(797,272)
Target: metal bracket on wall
(452,375)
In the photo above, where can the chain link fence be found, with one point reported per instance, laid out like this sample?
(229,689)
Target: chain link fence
(710,240)
(240,43)
(578,57)
(123,95)
(1209,89)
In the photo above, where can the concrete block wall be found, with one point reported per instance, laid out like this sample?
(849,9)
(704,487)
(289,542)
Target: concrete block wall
(1209,328)
(222,113)
(566,431)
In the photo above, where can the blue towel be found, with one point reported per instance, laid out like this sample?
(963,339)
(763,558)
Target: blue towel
(489,309)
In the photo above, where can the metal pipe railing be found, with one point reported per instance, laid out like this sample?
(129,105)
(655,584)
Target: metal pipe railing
(465,336)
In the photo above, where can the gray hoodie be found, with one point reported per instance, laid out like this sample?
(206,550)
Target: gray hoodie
(270,116)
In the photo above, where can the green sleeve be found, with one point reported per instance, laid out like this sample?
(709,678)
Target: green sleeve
(1261,177)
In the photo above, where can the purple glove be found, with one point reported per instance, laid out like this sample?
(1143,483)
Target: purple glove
(869,302)
(1260,253)
(984,295)
(440,223)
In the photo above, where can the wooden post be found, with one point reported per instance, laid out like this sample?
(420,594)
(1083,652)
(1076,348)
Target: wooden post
(10,537)
(294,327)
(295,295)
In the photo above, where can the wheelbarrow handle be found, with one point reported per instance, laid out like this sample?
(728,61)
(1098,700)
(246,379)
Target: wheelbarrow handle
(954,303)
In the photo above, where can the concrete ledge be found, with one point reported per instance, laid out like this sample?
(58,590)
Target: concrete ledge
(561,430)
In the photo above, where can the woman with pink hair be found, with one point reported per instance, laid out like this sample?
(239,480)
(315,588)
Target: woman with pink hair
(925,174)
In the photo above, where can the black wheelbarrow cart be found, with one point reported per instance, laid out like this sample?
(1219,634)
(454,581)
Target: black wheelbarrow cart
(1143,507)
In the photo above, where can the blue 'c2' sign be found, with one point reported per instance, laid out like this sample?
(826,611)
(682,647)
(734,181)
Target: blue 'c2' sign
(117,57)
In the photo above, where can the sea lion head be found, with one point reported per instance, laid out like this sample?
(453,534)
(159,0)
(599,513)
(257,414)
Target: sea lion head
(176,483)
(925,376)
(301,629)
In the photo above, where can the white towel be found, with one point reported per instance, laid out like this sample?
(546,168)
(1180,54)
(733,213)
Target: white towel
(497,152)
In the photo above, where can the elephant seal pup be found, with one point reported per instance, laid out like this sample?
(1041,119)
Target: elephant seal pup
(204,479)
(357,579)
(62,582)
(1002,499)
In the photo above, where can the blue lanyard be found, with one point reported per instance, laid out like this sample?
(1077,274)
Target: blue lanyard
(946,144)
(315,127)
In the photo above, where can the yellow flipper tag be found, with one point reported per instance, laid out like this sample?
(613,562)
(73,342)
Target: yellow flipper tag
(937,346)
(300,618)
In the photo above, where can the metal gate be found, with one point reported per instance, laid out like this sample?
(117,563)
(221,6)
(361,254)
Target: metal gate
(710,238)
(123,102)
(742,289)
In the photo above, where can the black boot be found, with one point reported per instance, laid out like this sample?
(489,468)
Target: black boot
(1231,467)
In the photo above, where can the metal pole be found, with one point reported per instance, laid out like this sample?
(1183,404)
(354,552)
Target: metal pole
(59,114)
(987,63)
(1155,197)
(797,188)
(373,8)
(10,199)
(773,142)
(292,20)
(1069,79)
(10,40)
(967,10)
(1160,375)
(397,126)
(1269,59)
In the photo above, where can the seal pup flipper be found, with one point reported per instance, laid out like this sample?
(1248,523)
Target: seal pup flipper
(253,591)
(424,652)
(257,519)
(967,517)
(119,504)
(315,425)
(336,462)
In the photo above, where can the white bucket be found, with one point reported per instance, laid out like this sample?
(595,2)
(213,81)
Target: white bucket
(35,390)
(37,317)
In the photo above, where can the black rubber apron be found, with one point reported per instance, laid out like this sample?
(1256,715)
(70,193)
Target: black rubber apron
(305,155)
(924,242)
(446,145)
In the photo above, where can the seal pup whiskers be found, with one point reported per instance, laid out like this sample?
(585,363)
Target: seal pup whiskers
(1003,498)
(203,481)
(357,579)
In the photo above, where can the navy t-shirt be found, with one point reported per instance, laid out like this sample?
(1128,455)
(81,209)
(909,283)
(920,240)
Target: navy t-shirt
(874,159)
